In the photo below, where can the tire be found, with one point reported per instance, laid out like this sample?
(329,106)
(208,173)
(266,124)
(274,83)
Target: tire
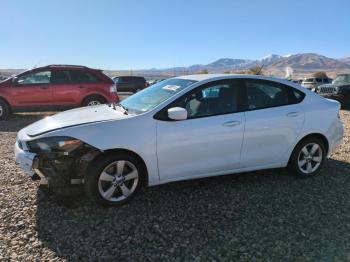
(114,179)
(4,110)
(346,102)
(308,158)
(93,100)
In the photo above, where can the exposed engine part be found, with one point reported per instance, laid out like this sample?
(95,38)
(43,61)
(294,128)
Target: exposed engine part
(62,172)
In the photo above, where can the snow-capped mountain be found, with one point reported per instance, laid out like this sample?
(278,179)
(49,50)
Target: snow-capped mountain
(303,61)
(269,59)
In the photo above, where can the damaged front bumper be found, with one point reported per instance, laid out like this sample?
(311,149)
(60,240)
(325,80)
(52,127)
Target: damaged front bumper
(24,159)
(60,171)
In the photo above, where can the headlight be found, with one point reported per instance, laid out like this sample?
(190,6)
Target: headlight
(336,90)
(54,144)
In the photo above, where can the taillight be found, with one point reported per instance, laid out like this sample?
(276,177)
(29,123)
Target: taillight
(113,88)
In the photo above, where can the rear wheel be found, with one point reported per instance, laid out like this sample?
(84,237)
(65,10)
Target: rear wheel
(308,157)
(4,110)
(113,180)
(93,101)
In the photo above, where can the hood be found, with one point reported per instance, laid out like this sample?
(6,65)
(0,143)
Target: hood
(5,82)
(74,117)
(327,85)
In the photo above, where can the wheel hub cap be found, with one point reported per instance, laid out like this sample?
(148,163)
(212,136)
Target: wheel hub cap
(310,158)
(93,103)
(118,180)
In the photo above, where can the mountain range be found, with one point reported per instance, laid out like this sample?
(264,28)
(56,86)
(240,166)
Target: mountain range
(299,65)
(273,62)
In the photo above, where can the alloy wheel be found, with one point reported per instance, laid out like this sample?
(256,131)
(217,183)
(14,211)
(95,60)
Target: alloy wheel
(310,158)
(94,103)
(118,181)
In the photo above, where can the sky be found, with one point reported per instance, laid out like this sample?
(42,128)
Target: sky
(130,34)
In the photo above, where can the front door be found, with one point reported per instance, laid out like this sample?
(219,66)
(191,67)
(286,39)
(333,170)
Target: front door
(209,141)
(33,90)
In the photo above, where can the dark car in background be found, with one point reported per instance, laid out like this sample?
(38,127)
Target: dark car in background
(338,90)
(55,87)
(130,84)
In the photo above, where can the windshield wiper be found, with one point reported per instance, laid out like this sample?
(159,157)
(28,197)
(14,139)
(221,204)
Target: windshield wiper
(125,109)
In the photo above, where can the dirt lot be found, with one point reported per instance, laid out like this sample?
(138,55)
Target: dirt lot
(268,215)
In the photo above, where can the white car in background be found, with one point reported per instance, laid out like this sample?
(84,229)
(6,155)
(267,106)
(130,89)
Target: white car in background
(182,128)
(313,82)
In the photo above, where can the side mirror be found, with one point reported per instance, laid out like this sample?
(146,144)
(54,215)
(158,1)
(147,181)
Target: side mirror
(14,79)
(177,113)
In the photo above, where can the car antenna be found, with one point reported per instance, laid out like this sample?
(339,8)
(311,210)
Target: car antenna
(36,65)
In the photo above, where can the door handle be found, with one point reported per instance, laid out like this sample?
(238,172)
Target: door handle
(293,114)
(44,87)
(231,123)
(82,87)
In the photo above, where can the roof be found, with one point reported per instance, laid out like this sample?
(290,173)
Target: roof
(202,77)
(206,77)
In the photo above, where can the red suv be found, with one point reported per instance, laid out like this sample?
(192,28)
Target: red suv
(55,87)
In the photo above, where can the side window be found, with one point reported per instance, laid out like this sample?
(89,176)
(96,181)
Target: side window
(141,80)
(93,78)
(128,79)
(42,77)
(265,94)
(78,76)
(60,77)
(318,80)
(297,95)
(212,99)
(120,80)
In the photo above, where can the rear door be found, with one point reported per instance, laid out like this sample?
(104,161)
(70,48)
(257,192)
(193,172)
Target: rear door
(274,120)
(32,90)
(72,85)
(65,92)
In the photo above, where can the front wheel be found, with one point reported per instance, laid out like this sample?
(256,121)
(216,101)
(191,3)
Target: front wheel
(4,110)
(113,180)
(308,157)
(346,102)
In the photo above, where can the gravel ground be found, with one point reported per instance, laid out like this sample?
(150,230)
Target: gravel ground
(268,215)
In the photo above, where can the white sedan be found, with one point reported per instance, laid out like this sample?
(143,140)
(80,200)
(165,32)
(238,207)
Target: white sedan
(181,128)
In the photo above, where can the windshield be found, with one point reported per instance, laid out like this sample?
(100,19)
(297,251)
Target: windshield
(342,79)
(309,80)
(154,95)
